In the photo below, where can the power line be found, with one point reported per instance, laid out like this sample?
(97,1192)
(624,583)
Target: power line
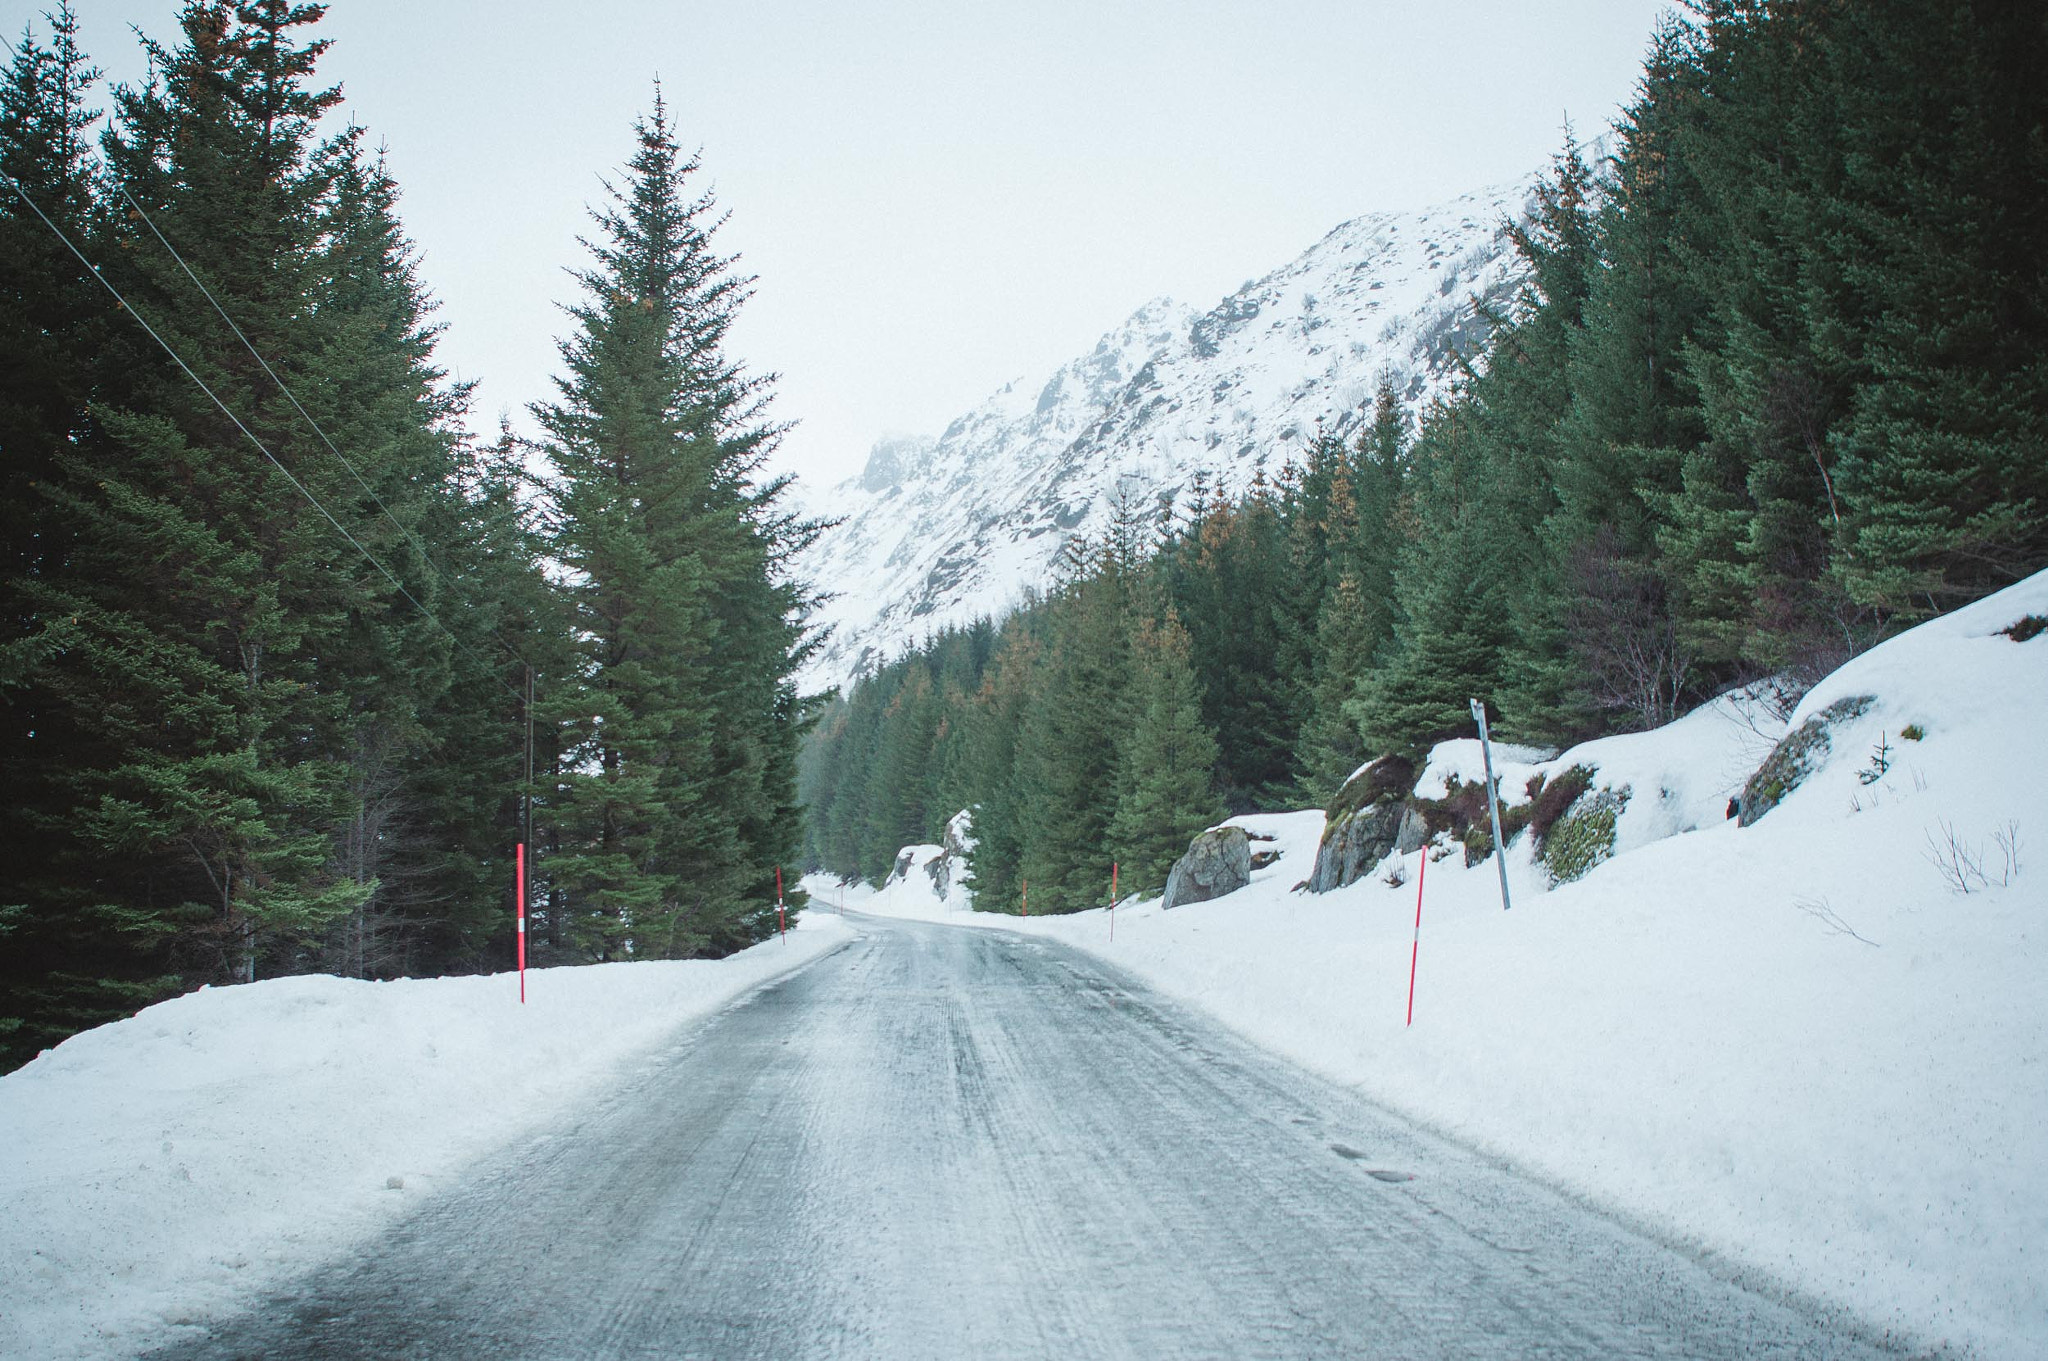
(261,448)
(369,491)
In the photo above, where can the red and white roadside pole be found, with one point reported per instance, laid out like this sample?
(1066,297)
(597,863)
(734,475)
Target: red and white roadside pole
(522,922)
(1416,949)
(1024,890)
(1112,900)
(781,917)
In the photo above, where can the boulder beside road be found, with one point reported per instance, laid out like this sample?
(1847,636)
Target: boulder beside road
(1217,862)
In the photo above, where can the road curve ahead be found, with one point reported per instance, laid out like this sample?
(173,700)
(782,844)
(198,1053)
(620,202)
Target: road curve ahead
(953,1143)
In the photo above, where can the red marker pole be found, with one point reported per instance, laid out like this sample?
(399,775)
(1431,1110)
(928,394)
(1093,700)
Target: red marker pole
(1416,949)
(781,917)
(522,923)
(1112,900)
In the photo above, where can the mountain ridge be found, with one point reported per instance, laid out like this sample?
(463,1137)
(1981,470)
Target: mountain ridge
(937,531)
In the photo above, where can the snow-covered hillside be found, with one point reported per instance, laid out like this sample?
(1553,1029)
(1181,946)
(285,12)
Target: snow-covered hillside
(939,531)
(1799,1047)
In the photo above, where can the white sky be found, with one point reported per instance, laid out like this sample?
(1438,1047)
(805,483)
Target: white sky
(936,197)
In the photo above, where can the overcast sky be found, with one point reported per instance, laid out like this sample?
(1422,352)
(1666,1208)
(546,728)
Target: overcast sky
(935,197)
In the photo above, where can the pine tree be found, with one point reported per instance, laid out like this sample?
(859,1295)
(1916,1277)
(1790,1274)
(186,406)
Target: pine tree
(63,963)
(1355,627)
(1331,747)
(49,311)
(854,747)
(205,587)
(1067,765)
(1227,577)
(1931,293)
(1451,628)
(1009,693)
(677,801)
(952,775)
(1632,415)
(1166,794)
(1515,410)
(1380,523)
(1759,513)
(898,774)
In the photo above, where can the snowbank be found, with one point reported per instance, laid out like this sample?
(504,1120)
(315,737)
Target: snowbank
(169,1165)
(1679,778)
(1796,1046)
(910,895)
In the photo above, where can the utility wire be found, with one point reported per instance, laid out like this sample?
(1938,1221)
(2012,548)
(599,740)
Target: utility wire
(362,482)
(261,448)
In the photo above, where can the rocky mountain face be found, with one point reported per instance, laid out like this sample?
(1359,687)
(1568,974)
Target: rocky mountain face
(941,531)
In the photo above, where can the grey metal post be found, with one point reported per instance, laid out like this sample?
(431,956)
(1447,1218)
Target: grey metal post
(1500,850)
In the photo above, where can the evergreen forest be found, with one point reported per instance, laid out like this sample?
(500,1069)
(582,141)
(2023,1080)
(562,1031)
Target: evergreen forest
(292,663)
(1777,388)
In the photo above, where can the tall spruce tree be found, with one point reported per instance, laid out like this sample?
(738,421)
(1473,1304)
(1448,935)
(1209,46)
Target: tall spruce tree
(1451,627)
(676,803)
(1355,626)
(1009,693)
(66,959)
(1166,791)
(1066,768)
(1632,415)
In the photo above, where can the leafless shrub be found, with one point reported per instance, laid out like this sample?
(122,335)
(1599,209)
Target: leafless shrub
(1396,875)
(2007,839)
(1820,911)
(1966,868)
(1960,865)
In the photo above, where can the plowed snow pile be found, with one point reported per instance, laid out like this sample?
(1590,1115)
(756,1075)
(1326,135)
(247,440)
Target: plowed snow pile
(168,1165)
(1798,1045)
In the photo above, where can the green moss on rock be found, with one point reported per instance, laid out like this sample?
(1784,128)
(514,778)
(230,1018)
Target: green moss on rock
(1584,836)
(1797,756)
(1550,801)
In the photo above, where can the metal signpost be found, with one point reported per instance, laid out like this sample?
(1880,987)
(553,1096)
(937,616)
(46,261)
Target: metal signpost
(1500,850)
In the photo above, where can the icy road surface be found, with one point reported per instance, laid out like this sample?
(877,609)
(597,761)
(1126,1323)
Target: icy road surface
(943,1142)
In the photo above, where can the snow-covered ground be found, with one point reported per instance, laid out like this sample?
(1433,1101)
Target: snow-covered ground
(172,1164)
(1795,1046)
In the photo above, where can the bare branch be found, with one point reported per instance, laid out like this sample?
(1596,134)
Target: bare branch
(1820,911)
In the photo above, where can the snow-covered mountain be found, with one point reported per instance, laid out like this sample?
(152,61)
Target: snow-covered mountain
(941,531)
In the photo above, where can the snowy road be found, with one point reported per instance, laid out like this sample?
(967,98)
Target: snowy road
(943,1142)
